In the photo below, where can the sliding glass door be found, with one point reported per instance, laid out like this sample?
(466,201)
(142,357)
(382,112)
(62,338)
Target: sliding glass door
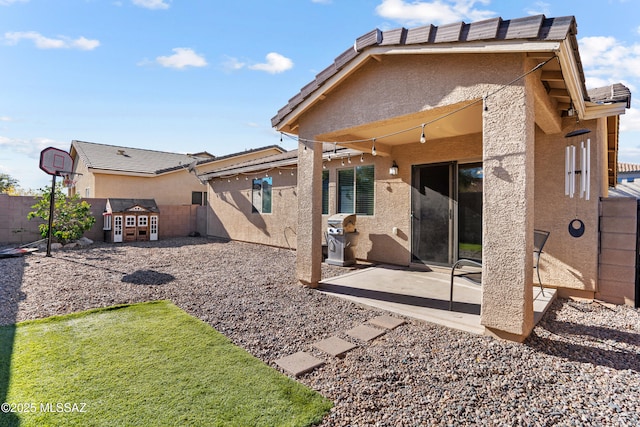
(446,203)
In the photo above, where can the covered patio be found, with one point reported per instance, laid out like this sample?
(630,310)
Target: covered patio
(467,134)
(423,293)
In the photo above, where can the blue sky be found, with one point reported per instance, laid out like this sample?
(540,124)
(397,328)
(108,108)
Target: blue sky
(194,75)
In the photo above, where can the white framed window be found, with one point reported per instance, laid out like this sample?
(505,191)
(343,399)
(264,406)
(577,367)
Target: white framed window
(261,195)
(143,220)
(130,221)
(356,190)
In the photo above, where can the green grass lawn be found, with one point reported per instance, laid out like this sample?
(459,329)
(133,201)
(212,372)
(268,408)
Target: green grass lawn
(147,364)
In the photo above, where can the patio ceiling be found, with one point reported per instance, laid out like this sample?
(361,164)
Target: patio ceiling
(465,118)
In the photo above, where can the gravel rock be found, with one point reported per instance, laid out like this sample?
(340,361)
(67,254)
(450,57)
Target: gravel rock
(580,366)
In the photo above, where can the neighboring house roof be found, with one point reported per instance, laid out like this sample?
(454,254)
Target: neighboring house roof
(628,168)
(124,205)
(555,36)
(626,189)
(614,93)
(239,153)
(128,159)
(137,160)
(268,163)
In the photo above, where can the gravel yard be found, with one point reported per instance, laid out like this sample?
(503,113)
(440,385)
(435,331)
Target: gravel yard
(581,365)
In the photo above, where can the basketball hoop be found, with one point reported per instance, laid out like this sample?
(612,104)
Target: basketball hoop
(68,180)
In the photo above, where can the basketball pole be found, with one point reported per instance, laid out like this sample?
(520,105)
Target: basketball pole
(52,201)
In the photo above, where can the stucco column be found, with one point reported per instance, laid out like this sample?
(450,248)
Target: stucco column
(508,213)
(309,237)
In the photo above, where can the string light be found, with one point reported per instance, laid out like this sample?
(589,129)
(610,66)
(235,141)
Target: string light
(482,100)
(361,157)
(423,138)
(373,147)
(349,158)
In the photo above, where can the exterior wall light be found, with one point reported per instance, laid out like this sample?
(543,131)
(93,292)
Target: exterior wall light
(393,170)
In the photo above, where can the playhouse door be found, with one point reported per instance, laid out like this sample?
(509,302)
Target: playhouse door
(117,228)
(143,228)
(130,228)
(153,227)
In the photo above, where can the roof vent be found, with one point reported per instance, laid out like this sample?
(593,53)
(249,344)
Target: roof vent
(121,152)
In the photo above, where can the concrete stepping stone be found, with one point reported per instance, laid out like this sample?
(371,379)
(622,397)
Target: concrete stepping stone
(335,346)
(299,363)
(386,322)
(365,333)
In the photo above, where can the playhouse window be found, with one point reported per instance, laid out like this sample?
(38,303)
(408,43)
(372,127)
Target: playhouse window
(130,221)
(261,195)
(355,190)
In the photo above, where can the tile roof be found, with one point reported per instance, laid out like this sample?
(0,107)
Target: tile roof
(127,159)
(533,28)
(628,167)
(289,158)
(614,93)
(239,153)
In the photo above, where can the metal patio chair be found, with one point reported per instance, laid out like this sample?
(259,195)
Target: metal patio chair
(539,239)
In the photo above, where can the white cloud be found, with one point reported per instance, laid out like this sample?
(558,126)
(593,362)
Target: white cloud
(605,61)
(437,12)
(232,64)
(182,58)
(321,1)
(5,119)
(275,64)
(151,4)
(539,8)
(42,42)
(31,147)
(10,2)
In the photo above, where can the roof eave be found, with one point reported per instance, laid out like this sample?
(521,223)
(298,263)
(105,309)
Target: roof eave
(122,172)
(288,122)
(573,77)
(597,111)
(264,167)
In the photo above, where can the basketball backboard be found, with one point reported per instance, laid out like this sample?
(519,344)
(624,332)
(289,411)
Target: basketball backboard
(54,161)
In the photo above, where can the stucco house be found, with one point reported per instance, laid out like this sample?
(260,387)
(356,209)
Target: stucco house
(135,173)
(448,142)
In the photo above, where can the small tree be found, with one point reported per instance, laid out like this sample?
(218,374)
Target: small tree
(7,183)
(71,216)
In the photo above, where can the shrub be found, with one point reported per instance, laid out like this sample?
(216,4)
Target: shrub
(71,216)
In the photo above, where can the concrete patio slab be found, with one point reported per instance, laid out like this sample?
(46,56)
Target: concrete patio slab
(365,333)
(422,294)
(299,363)
(386,322)
(335,346)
